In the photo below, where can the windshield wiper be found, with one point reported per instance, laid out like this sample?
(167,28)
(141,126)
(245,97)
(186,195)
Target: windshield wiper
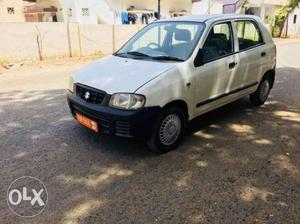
(140,54)
(133,53)
(137,53)
(167,58)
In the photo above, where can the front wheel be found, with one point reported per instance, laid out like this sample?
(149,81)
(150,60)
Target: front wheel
(168,130)
(260,96)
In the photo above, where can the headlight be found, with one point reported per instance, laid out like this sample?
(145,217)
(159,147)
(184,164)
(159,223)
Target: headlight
(71,85)
(127,101)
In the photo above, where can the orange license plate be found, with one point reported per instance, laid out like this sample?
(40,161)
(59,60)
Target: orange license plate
(87,122)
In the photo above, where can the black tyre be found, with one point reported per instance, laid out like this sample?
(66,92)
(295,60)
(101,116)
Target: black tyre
(260,96)
(168,130)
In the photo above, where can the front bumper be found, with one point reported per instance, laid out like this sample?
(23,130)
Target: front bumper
(111,121)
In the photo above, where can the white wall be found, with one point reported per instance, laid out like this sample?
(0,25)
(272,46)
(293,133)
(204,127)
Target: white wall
(202,8)
(76,6)
(29,41)
(293,29)
(66,5)
(267,2)
(264,12)
(18,16)
(100,11)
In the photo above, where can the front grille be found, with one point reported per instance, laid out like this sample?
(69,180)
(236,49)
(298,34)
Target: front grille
(89,94)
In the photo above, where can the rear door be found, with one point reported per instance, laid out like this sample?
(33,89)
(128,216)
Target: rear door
(251,52)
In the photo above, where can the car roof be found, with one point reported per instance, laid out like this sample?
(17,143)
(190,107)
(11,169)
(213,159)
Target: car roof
(209,18)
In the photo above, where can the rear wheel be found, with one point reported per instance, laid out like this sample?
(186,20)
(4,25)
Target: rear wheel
(168,130)
(260,96)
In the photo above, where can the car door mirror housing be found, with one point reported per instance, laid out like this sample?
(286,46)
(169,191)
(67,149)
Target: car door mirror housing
(199,59)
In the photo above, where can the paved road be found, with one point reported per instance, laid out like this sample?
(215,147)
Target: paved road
(237,165)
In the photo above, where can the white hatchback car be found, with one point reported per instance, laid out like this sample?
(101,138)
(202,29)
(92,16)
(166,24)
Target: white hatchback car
(171,72)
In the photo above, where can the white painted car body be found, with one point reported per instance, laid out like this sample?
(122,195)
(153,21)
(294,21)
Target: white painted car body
(202,88)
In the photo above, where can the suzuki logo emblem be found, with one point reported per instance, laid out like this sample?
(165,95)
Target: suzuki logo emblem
(87,95)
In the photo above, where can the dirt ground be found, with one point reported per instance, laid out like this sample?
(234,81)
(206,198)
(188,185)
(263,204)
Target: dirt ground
(238,164)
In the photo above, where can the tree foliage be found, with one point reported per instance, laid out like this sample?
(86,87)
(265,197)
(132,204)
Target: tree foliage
(281,16)
(293,4)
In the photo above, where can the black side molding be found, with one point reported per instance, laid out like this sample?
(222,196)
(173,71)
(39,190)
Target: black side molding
(225,94)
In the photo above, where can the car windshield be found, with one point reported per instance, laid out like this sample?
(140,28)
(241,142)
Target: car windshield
(169,41)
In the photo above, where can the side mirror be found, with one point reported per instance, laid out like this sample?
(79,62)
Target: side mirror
(199,59)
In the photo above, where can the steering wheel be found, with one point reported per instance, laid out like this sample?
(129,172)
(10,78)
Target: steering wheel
(154,44)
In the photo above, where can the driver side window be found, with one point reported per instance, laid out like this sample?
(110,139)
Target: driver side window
(155,35)
(219,42)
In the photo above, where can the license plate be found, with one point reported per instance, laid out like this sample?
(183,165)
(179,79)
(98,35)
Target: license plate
(87,122)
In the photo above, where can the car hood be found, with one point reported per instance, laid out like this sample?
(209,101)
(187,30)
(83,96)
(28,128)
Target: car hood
(114,74)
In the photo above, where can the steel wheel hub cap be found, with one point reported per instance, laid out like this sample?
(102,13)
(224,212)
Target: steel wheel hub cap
(264,90)
(170,129)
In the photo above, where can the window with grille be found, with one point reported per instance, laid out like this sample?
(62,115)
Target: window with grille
(70,12)
(10,10)
(85,12)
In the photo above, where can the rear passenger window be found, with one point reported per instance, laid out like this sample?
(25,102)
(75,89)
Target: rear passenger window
(218,43)
(248,34)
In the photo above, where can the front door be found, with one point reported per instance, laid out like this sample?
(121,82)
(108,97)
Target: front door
(217,76)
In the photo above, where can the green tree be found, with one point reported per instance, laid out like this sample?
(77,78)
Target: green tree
(281,16)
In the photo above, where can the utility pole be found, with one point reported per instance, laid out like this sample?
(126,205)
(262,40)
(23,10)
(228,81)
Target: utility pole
(287,21)
(69,37)
(158,9)
(209,6)
(287,25)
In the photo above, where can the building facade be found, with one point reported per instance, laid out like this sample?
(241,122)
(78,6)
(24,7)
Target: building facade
(202,7)
(11,11)
(42,11)
(266,10)
(112,11)
(292,27)
(103,11)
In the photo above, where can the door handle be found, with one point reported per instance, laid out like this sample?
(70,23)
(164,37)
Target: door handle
(263,54)
(232,65)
